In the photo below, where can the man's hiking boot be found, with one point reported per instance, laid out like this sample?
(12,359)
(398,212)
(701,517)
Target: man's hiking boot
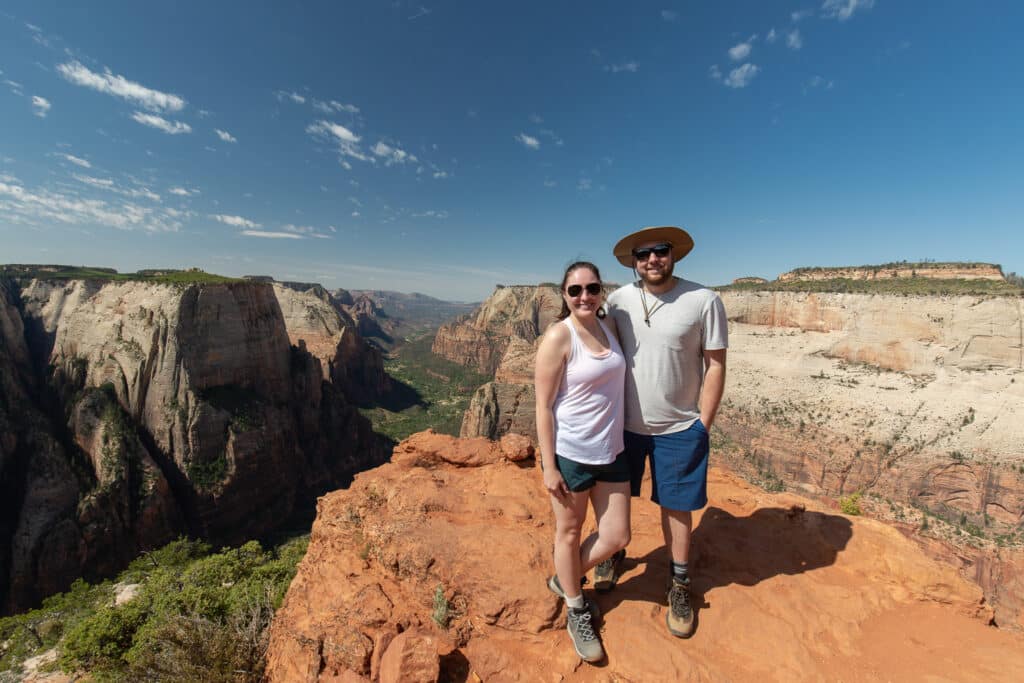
(580,624)
(555,587)
(606,573)
(679,615)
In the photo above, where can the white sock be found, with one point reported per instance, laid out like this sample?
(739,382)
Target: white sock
(575,603)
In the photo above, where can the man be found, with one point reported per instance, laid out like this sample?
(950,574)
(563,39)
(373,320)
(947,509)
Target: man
(674,335)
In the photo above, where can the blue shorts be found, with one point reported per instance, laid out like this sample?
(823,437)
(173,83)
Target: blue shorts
(679,466)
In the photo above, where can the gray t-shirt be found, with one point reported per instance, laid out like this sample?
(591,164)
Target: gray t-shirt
(665,362)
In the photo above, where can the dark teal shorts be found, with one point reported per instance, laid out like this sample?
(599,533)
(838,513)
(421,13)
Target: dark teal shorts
(580,477)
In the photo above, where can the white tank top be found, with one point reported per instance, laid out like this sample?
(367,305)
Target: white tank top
(589,405)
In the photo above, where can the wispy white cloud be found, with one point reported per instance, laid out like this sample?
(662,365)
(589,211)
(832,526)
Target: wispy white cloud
(235,221)
(627,67)
(550,183)
(528,141)
(44,205)
(393,155)
(421,12)
(119,86)
(41,105)
(844,9)
(669,15)
(110,185)
(224,135)
(431,214)
(271,235)
(37,35)
(800,15)
(77,161)
(440,174)
(555,139)
(739,52)
(741,76)
(714,72)
(793,40)
(183,192)
(536,118)
(819,82)
(160,123)
(336,130)
(584,184)
(772,36)
(283,95)
(15,87)
(347,141)
(305,231)
(333,107)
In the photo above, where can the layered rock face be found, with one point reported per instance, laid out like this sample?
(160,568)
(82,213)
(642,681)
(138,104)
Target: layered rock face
(506,405)
(140,411)
(434,567)
(918,400)
(479,340)
(332,332)
(938,271)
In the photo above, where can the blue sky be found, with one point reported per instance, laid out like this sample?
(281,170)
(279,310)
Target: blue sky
(444,147)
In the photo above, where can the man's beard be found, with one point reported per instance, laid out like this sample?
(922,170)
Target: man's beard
(664,276)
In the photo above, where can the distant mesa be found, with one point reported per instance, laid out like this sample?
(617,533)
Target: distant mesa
(750,280)
(901,269)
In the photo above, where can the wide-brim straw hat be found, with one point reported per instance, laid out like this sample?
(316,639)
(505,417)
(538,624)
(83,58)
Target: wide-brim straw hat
(680,240)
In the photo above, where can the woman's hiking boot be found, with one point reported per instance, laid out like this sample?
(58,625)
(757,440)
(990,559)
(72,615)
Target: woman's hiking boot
(679,616)
(555,587)
(580,624)
(606,573)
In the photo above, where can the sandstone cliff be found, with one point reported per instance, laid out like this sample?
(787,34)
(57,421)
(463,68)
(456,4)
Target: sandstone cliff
(938,271)
(137,411)
(332,331)
(914,400)
(479,340)
(506,405)
(434,566)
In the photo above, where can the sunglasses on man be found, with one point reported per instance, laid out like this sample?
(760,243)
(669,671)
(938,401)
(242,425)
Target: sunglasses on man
(659,250)
(593,289)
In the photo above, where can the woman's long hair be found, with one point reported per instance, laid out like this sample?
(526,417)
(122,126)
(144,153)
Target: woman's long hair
(601,313)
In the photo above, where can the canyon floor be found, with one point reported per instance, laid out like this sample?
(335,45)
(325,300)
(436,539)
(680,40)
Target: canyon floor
(435,565)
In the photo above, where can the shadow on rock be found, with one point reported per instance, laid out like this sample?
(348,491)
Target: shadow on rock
(726,549)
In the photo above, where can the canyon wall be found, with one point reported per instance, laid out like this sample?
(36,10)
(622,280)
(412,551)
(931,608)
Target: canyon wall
(480,339)
(931,271)
(135,411)
(332,331)
(434,567)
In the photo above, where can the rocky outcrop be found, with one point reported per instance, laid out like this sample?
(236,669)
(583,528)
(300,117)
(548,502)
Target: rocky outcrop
(508,404)
(937,271)
(914,334)
(331,333)
(145,410)
(434,567)
(750,280)
(479,340)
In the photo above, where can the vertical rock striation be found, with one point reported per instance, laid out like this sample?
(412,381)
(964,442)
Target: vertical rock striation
(141,411)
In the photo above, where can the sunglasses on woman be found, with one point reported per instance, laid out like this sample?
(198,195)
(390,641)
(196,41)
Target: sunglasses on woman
(593,289)
(659,250)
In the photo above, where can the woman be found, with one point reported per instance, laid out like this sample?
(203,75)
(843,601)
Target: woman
(579,378)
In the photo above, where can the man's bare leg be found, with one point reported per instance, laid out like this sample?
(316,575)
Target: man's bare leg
(677,526)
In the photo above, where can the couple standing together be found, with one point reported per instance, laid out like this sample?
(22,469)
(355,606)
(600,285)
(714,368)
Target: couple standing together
(618,383)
